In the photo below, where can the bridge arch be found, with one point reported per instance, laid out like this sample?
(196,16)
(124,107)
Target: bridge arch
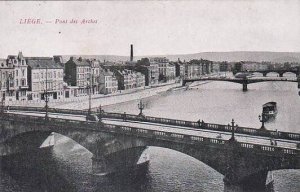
(112,145)
(258,74)
(271,74)
(23,141)
(289,74)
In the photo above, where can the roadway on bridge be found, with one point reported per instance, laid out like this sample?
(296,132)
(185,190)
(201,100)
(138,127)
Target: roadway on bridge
(171,128)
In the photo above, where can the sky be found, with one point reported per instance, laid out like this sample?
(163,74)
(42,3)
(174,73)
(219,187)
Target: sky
(154,27)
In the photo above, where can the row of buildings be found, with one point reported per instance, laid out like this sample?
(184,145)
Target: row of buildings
(30,78)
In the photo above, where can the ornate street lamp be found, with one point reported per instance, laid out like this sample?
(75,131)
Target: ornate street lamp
(262,119)
(141,106)
(232,131)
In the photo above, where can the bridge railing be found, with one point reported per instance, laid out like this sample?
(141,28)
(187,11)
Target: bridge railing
(203,125)
(175,122)
(153,134)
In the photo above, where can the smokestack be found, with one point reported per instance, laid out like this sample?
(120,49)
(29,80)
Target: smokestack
(131,52)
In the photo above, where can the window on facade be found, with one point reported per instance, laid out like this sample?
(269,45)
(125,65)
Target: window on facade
(17,82)
(11,83)
(23,82)
(23,72)
(54,74)
(17,73)
(22,62)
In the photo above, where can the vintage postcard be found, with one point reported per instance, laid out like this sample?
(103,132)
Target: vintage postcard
(150,96)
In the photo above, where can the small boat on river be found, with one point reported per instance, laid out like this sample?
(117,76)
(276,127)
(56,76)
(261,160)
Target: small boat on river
(269,110)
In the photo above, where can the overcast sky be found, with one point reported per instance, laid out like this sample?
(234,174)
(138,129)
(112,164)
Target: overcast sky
(154,27)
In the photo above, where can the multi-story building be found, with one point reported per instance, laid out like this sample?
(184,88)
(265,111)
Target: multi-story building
(7,89)
(215,67)
(166,70)
(14,77)
(150,72)
(95,75)
(179,69)
(254,66)
(224,66)
(170,71)
(78,73)
(140,79)
(126,79)
(153,74)
(193,70)
(44,74)
(162,63)
(107,82)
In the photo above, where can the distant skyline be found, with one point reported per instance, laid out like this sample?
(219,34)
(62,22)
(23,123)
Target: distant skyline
(153,27)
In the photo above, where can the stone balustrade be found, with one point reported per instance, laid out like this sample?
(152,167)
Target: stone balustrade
(145,133)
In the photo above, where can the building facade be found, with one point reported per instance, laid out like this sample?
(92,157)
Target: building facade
(108,82)
(95,75)
(166,70)
(78,73)
(45,75)
(127,79)
(140,79)
(7,88)
(13,78)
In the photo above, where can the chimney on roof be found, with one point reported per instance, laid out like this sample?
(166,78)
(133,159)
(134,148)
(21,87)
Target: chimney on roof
(131,52)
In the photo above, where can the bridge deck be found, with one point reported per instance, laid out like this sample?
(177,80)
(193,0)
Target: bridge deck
(174,129)
(249,79)
(203,133)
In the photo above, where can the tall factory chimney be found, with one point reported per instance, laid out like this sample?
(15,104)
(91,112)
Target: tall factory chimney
(131,52)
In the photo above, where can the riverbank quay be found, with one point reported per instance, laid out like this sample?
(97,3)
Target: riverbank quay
(100,99)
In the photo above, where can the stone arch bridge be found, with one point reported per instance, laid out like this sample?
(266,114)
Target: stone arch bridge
(119,147)
(243,81)
(280,72)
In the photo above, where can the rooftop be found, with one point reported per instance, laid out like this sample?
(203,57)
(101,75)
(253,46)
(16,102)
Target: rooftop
(43,64)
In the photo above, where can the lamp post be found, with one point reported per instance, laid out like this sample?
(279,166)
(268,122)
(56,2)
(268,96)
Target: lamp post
(232,131)
(141,106)
(100,112)
(90,98)
(262,119)
(2,105)
(46,96)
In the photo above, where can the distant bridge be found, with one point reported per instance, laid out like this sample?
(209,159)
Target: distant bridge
(243,81)
(117,146)
(296,71)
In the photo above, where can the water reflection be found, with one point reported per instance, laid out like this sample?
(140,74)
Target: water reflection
(34,171)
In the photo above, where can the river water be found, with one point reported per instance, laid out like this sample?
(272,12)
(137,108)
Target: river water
(68,166)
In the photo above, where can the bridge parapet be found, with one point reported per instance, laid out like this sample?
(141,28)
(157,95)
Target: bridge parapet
(210,126)
(150,134)
(176,122)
